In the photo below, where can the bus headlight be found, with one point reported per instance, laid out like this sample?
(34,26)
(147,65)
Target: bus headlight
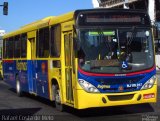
(149,84)
(88,87)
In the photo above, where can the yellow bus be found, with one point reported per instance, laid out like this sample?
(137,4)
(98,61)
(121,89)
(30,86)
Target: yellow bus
(1,69)
(1,45)
(84,59)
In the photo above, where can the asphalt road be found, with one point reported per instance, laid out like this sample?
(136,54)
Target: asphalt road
(31,108)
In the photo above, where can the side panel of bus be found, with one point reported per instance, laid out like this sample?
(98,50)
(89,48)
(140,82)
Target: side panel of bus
(9,72)
(16,69)
(42,78)
(37,69)
(1,67)
(22,74)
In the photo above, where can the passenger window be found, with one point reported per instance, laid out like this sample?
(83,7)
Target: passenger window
(23,45)
(55,43)
(43,43)
(8,48)
(17,46)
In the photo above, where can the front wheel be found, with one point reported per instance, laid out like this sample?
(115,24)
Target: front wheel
(18,87)
(1,77)
(57,97)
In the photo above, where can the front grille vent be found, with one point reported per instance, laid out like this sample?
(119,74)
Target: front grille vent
(120,97)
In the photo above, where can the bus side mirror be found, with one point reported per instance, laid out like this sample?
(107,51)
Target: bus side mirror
(76,44)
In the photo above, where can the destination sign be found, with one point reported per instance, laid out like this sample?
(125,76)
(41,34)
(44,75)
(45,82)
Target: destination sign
(114,18)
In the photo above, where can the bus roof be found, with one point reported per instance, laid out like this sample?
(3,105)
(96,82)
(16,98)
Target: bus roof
(51,20)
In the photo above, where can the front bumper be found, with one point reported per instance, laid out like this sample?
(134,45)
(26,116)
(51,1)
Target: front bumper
(89,100)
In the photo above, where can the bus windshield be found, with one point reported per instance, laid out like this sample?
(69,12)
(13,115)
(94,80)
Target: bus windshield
(115,50)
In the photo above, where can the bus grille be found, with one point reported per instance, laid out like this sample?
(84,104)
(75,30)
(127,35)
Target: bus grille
(120,97)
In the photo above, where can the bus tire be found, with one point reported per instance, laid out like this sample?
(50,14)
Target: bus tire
(57,96)
(18,87)
(1,77)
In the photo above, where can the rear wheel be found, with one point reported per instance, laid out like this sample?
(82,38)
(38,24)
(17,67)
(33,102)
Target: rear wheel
(1,78)
(18,87)
(57,97)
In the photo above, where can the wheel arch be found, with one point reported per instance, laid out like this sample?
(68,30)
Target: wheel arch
(54,82)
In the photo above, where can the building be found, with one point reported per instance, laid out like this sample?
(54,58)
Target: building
(2,33)
(150,5)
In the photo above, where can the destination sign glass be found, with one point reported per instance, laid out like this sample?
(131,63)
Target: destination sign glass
(113,18)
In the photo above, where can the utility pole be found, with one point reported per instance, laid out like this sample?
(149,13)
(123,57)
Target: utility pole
(126,4)
(151,11)
(5,8)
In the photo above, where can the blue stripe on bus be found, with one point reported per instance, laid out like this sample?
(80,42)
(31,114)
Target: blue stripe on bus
(33,75)
(112,84)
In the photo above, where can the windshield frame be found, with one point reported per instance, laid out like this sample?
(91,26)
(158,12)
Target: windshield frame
(116,34)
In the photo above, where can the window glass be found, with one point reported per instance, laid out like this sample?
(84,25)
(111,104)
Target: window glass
(23,45)
(4,48)
(55,46)
(43,43)
(17,46)
(67,50)
(1,53)
(116,51)
(8,52)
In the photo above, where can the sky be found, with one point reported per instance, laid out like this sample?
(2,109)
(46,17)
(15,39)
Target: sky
(22,12)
